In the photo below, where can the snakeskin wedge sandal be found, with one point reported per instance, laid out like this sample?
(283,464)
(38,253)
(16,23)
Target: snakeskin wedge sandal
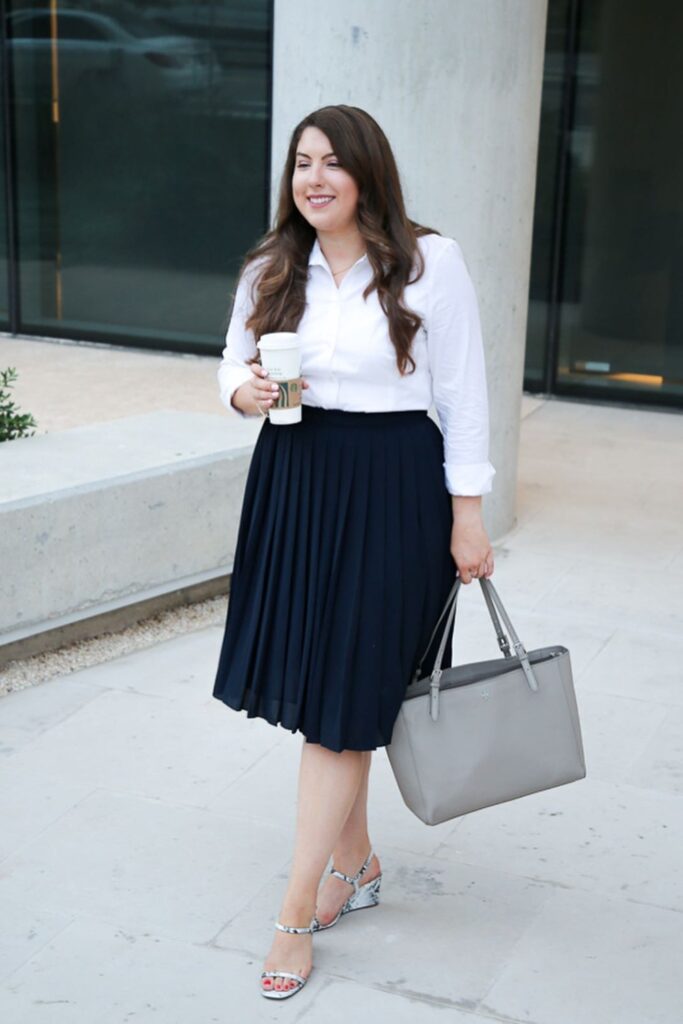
(283,993)
(366,895)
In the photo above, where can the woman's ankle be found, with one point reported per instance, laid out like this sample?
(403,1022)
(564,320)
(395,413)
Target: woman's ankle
(349,859)
(297,911)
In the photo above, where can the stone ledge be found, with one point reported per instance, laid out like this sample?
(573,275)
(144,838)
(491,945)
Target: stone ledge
(102,518)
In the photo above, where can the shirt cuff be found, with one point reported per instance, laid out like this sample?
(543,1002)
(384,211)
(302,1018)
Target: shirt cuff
(230,378)
(470,479)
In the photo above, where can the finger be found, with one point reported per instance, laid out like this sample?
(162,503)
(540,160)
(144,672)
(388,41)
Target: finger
(265,405)
(265,393)
(262,381)
(265,387)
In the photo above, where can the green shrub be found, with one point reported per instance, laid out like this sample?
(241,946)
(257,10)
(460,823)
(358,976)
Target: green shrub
(12,422)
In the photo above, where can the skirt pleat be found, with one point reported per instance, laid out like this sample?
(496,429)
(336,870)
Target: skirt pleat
(341,570)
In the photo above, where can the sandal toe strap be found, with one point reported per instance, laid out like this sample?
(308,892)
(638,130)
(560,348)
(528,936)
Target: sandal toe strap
(283,974)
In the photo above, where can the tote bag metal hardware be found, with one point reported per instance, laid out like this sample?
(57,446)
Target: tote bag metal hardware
(480,734)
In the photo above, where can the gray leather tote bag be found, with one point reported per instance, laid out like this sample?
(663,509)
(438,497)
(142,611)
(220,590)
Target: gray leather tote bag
(479,734)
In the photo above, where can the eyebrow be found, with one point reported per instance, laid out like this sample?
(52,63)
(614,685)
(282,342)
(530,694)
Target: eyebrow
(308,157)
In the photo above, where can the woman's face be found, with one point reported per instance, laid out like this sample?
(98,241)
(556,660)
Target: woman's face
(318,176)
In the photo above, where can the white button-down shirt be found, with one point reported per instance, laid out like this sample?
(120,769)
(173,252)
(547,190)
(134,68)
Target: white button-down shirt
(349,361)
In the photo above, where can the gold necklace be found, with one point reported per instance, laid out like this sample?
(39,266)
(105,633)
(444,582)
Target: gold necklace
(335,272)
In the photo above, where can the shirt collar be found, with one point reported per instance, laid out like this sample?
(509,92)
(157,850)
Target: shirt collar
(316,256)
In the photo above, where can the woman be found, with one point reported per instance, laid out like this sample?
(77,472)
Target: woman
(355,520)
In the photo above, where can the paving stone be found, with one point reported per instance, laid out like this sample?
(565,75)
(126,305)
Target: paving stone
(442,930)
(145,865)
(585,959)
(617,840)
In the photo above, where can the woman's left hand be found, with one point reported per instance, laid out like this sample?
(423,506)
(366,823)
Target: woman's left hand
(470,545)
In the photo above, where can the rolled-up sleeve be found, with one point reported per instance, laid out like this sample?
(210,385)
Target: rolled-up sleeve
(458,370)
(240,343)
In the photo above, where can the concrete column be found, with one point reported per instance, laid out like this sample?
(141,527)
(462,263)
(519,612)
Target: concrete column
(456,86)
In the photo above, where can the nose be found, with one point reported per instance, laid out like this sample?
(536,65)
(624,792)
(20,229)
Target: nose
(314,175)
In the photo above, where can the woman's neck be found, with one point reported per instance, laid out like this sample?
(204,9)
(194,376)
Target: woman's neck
(341,249)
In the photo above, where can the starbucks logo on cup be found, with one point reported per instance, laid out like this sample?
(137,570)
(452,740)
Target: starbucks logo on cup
(289,394)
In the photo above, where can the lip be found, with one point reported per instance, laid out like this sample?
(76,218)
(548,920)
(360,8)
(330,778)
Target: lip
(319,195)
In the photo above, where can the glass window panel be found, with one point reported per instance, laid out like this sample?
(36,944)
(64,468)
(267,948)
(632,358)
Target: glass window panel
(22,25)
(621,315)
(142,148)
(546,185)
(4,261)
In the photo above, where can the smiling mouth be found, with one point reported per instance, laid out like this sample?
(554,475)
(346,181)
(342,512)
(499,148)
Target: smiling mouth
(320,200)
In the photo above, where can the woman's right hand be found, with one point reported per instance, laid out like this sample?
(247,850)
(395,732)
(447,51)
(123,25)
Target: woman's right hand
(258,395)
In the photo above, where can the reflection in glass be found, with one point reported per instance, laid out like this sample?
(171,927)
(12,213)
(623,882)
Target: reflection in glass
(540,284)
(622,317)
(619,327)
(4,264)
(141,135)
(4,241)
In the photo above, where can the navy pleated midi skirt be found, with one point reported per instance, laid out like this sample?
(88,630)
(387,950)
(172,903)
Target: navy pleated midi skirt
(341,570)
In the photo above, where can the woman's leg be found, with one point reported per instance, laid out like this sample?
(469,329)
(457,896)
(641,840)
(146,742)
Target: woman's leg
(349,853)
(328,785)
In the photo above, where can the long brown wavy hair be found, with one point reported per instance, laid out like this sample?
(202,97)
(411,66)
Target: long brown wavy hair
(363,150)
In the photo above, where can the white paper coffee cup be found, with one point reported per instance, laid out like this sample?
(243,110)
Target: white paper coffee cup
(281,357)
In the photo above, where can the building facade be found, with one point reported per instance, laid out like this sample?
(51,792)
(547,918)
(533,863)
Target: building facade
(136,170)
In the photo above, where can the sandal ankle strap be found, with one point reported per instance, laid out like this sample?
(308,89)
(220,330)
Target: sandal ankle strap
(353,879)
(295,931)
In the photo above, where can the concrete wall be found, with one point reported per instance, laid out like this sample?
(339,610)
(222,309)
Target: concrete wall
(456,85)
(109,515)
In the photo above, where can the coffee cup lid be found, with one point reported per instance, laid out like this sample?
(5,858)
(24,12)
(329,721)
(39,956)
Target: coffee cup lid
(279,339)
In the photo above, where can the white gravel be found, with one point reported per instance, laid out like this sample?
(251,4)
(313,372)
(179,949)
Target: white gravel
(20,674)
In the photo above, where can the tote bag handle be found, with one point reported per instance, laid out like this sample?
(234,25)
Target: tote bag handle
(492,599)
(503,641)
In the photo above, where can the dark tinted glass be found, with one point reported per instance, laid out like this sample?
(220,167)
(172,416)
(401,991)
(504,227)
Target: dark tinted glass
(540,285)
(621,324)
(618,322)
(141,134)
(4,266)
